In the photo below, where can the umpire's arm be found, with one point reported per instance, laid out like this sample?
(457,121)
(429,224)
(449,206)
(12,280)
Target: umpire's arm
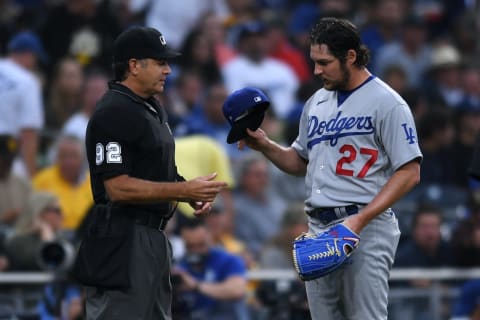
(124,188)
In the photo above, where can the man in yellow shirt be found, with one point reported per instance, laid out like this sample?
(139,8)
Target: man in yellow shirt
(68,181)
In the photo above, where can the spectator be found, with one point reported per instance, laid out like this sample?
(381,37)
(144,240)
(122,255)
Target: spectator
(467,306)
(176,18)
(411,52)
(444,74)
(425,247)
(396,77)
(198,55)
(213,283)
(470,80)
(213,27)
(186,93)
(467,129)
(68,181)
(252,67)
(13,188)
(208,119)
(280,48)
(277,252)
(21,96)
(63,93)
(41,222)
(383,26)
(209,157)
(61,300)
(280,302)
(84,29)
(258,211)
(417,101)
(465,240)
(219,224)
(95,85)
(436,134)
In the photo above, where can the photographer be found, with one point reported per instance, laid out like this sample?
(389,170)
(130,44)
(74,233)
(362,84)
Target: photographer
(41,222)
(210,283)
(38,244)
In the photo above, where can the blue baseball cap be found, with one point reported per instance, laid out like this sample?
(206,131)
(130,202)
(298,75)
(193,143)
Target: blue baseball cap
(244,108)
(27,41)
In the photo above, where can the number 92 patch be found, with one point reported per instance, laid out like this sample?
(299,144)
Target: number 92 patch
(112,153)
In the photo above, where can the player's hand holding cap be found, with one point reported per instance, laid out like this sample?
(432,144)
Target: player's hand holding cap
(244,108)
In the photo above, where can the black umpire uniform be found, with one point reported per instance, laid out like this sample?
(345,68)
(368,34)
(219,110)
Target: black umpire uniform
(124,260)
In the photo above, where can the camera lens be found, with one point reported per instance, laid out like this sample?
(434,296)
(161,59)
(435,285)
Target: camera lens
(56,255)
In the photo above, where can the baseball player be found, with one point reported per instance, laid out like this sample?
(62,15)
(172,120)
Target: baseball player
(357,146)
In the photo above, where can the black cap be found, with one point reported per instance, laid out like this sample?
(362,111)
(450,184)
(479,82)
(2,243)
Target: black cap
(141,43)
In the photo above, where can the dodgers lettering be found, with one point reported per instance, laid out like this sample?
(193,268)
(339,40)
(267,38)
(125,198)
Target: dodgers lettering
(336,128)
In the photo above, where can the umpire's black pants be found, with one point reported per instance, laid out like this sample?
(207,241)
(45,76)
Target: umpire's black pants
(150,295)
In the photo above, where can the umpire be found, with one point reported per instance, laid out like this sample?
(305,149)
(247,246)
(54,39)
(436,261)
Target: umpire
(124,258)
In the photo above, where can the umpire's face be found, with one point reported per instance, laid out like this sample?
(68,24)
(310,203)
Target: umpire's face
(149,75)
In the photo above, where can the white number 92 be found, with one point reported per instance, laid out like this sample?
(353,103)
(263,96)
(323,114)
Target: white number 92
(112,152)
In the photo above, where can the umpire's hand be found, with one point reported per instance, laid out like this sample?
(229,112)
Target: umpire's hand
(202,190)
(201,208)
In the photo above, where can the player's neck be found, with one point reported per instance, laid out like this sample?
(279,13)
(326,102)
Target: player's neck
(358,77)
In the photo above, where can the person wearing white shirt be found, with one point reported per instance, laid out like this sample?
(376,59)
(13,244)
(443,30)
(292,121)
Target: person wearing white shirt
(21,99)
(252,67)
(176,18)
(96,84)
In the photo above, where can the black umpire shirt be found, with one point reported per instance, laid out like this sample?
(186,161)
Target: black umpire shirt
(130,135)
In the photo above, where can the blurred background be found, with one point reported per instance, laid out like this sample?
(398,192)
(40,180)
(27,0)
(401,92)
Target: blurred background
(55,64)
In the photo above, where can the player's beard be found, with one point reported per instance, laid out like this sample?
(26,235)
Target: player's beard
(342,83)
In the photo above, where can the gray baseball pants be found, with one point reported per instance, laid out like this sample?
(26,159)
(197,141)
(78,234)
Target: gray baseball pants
(359,289)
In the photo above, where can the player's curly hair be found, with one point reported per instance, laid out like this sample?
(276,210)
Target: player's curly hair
(340,35)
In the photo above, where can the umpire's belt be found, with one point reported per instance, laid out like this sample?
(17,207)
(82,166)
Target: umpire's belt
(328,215)
(151,220)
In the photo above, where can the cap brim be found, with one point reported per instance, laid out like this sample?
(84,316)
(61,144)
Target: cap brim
(252,122)
(167,54)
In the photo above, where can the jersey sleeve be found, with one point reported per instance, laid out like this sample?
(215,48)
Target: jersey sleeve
(112,137)
(399,136)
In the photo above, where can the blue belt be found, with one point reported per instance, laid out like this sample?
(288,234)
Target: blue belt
(327,215)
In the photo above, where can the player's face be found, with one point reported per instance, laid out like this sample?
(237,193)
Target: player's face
(152,75)
(335,75)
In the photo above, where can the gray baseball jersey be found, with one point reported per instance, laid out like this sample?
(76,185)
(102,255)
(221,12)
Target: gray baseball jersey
(354,142)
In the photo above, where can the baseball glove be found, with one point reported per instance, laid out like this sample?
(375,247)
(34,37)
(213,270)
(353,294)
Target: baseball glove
(315,255)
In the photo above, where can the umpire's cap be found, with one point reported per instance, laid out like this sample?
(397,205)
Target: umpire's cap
(244,108)
(141,43)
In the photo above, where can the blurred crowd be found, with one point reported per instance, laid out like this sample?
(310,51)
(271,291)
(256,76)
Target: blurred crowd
(56,63)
